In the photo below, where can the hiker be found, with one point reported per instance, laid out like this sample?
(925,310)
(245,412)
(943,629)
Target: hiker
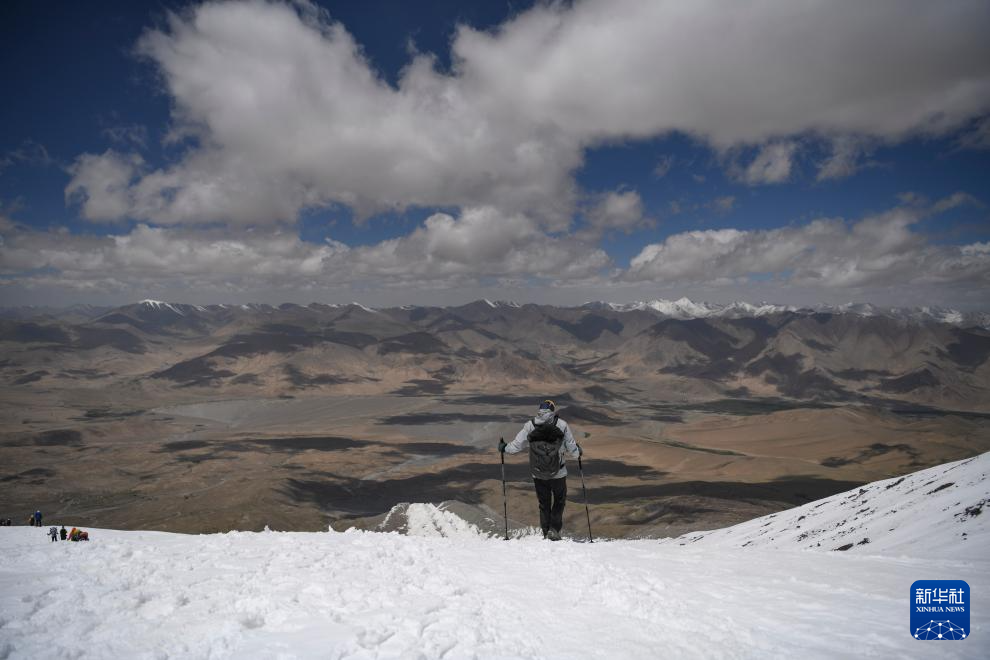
(37,518)
(74,534)
(53,532)
(549,439)
(31,521)
(62,533)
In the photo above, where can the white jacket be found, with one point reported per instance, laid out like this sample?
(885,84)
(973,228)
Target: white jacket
(568,448)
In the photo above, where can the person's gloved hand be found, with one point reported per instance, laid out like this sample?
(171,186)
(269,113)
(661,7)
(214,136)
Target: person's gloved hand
(501,445)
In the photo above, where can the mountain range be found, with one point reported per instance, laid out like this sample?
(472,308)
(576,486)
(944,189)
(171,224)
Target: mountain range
(669,350)
(683,308)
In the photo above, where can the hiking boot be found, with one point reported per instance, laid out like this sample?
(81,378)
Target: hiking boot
(553,535)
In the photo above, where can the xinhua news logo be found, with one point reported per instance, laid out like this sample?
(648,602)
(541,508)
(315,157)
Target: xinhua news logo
(940,610)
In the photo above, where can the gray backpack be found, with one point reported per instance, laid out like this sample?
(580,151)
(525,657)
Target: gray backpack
(545,440)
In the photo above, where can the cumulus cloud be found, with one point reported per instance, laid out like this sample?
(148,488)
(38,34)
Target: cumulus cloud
(481,242)
(620,210)
(446,249)
(829,253)
(151,254)
(284,112)
(101,185)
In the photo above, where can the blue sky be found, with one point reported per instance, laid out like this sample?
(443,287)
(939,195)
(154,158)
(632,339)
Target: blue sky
(439,152)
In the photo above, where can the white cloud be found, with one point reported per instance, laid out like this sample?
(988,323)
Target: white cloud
(479,243)
(844,159)
(286,113)
(877,251)
(150,254)
(102,185)
(956,200)
(771,165)
(620,210)
(482,251)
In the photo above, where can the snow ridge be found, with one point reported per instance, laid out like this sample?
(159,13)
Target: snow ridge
(363,308)
(685,308)
(158,304)
(932,513)
(431,520)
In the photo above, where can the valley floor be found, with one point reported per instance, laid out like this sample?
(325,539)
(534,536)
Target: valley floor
(461,595)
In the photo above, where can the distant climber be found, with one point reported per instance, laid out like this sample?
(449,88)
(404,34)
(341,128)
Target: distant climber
(37,518)
(62,534)
(549,440)
(53,532)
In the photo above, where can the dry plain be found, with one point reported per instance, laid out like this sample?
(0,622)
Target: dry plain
(102,457)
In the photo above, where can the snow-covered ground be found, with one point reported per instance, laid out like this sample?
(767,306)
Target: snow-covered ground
(942,513)
(447,591)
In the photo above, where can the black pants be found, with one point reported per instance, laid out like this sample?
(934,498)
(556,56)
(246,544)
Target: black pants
(552,494)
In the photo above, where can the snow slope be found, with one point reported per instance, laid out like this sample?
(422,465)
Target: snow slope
(446,590)
(942,512)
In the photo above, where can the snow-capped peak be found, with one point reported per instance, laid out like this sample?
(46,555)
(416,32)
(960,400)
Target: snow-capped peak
(499,303)
(921,313)
(685,308)
(158,304)
(362,307)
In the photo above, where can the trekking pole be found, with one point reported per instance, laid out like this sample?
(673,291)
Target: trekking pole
(505,502)
(585,490)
